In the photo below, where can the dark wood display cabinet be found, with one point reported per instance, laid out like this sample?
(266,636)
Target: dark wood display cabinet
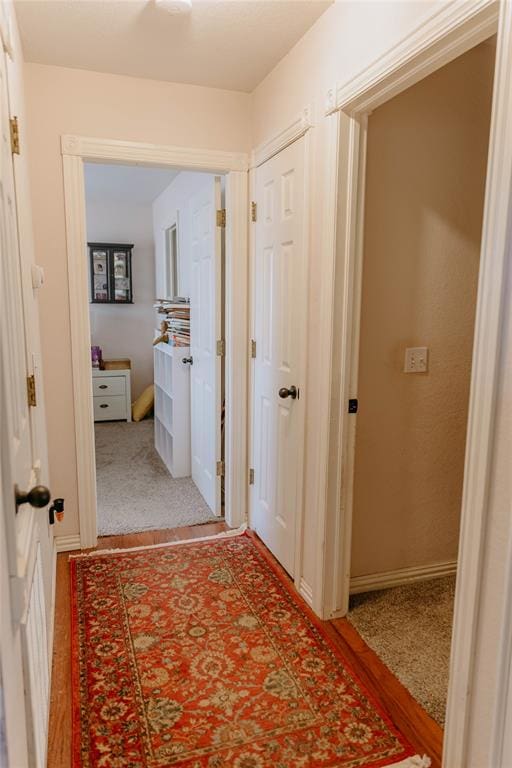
(111,273)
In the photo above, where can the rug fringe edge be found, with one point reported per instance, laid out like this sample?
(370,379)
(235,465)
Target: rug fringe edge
(223,535)
(412,762)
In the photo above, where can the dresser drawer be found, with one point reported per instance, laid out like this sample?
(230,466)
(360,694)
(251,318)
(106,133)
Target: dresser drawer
(109,407)
(108,385)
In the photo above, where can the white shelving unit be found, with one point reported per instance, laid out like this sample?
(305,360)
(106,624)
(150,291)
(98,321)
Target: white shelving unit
(172,408)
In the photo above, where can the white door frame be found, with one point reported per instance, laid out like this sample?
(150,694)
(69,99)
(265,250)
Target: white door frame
(298,128)
(75,151)
(454,29)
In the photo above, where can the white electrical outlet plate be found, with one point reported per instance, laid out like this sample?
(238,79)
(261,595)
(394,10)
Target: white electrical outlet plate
(416,360)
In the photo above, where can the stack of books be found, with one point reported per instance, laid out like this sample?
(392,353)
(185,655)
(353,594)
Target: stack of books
(177,315)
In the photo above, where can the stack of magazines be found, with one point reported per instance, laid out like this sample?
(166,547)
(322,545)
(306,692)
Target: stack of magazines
(177,315)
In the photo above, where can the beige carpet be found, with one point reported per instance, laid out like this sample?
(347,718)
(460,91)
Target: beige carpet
(410,629)
(135,490)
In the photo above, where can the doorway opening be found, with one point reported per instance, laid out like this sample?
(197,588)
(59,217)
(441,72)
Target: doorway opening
(155,259)
(426,165)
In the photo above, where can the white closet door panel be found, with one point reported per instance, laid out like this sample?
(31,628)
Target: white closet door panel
(280,304)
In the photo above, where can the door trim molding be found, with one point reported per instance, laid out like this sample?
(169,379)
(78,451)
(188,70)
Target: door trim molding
(75,151)
(279,141)
(455,29)
(207,160)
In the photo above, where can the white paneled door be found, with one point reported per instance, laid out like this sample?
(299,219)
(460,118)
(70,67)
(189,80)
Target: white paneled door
(279,278)
(26,551)
(205,331)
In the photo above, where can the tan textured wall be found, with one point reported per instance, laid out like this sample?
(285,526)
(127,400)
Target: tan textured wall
(61,101)
(427,154)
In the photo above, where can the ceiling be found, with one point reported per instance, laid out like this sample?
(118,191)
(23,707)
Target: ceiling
(125,183)
(231,44)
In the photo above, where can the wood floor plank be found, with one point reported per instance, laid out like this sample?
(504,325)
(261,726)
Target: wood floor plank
(418,727)
(423,733)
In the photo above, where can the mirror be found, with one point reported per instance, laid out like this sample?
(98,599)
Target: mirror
(171,261)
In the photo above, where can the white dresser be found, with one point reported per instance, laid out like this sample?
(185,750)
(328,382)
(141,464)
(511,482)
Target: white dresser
(112,397)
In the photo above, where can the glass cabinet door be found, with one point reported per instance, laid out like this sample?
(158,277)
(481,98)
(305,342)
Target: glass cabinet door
(121,268)
(100,275)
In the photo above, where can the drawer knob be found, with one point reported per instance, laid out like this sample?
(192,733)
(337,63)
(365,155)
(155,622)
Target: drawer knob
(104,405)
(103,386)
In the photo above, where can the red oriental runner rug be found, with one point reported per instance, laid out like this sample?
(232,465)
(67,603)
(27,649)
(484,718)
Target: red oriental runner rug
(201,654)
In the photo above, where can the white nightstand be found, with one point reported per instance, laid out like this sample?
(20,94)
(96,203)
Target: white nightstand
(112,396)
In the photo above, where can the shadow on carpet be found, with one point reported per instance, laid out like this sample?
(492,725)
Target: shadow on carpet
(135,490)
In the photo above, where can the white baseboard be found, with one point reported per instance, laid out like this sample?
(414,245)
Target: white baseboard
(402,576)
(306,592)
(67,543)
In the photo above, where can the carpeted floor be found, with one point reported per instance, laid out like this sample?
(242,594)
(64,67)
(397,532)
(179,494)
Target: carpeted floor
(410,629)
(135,490)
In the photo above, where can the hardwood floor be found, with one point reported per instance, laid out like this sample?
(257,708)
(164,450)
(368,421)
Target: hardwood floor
(423,733)
(417,726)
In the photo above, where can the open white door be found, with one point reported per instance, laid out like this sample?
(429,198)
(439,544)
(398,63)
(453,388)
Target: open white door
(26,554)
(279,324)
(205,331)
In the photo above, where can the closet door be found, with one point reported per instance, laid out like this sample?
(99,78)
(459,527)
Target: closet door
(279,301)
(205,330)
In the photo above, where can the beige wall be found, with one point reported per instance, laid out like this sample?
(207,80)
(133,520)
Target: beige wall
(126,331)
(426,164)
(61,101)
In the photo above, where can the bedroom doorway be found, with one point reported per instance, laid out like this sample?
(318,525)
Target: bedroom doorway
(155,258)
(212,235)
(425,179)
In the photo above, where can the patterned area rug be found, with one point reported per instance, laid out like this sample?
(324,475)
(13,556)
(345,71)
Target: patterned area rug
(201,655)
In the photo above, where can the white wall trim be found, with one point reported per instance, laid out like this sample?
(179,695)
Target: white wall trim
(67,543)
(307,592)
(457,27)
(76,150)
(454,29)
(208,160)
(76,237)
(236,481)
(283,139)
(401,576)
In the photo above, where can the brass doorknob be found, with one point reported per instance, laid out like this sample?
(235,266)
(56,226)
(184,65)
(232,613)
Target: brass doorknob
(39,496)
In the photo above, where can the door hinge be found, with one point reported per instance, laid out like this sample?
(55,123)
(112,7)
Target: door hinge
(254,211)
(253,348)
(221,217)
(220,469)
(31,390)
(353,405)
(15,136)
(221,348)
(251,476)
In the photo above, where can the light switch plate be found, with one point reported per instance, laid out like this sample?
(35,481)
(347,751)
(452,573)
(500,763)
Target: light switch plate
(416,360)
